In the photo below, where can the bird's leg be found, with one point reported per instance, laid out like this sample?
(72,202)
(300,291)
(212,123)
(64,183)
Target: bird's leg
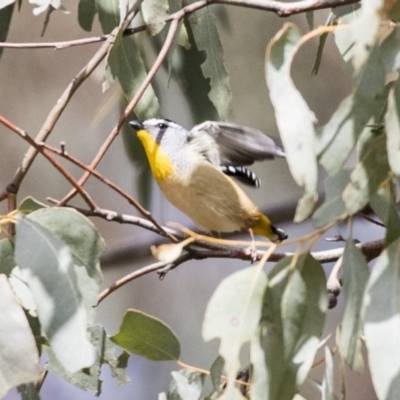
(252,250)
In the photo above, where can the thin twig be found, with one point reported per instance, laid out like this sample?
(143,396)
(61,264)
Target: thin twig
(129,108)
(62,102)
(68,43)
(90,202)
(112,185)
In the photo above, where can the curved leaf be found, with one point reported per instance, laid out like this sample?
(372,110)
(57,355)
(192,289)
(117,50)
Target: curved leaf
(293,117)
(147,336)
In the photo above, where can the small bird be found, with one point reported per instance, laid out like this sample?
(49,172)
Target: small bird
(194,169)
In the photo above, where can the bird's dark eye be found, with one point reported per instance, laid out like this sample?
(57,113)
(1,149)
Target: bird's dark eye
(162,125)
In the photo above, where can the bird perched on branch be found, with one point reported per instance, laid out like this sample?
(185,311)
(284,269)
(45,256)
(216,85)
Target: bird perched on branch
(194,169)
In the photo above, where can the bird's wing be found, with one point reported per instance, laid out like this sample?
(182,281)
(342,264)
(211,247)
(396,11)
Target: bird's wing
(239,145)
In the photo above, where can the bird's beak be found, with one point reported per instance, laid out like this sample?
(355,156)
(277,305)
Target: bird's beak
(137,125)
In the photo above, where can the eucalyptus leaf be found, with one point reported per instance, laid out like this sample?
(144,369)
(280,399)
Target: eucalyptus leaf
(186,385)
(216,372)
(355,277)
(382,323)
(333,206)
(293,116)
(19,359)
(328,381)
(207,38)
(233,313)
(28,392)
(50,274)
(6,12)
(392,128)
(155,13)
(147,336)
(7,262)
(30,204)
(86,13)
(371,171)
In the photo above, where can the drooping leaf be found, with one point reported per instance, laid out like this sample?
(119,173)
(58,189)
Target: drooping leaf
(365,31)
(89,378)
(383,205)
(390,51)
(6,12)
(392,128)
(155,12)
(368,175)
(147,336)
(355,277)
(126,63)
(294,307)
(216,372)
(19,359)
(78,233)
(293,117)
(206,36)
(328,381)
(28,392)
(233,313)
(185,385)
(333,206)
(86,13)
(363,107)
(382,323)
(48,268)
(7,262)
(310,19)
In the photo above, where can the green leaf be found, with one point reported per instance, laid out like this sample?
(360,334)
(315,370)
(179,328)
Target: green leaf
(392,127)
(365,31)
(28,392)
(389,51)
(233,313)
(364,106)
(371,171)
(147,336)
(7,262)
(30,204)
(383,205)
(293,314)
(206,36)
(90,378)
(216,373)
(155,13)
(293,117)
(125,61)
(48,268)
(328,381)
(310,19)
(6,12)
(382,323)
(355,277)
(186,385)
(19,359)
(78,233)
(333,206)
(86,13)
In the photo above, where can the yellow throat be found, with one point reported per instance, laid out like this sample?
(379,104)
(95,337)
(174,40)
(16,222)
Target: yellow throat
(160,163)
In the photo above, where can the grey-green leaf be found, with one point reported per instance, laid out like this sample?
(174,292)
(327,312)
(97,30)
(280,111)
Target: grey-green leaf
(48,267)
(30,204)
(206,36)
(382,323)
(86,13)
(293,117)
(155,13)
(6,12)
(369,174)
(19,359)
(233,314)
(392,127)
(147,336)
(186,385)
(355,277)
(333,206)
(7,262)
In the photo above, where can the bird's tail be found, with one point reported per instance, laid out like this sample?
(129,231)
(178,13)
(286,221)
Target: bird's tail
(264,227)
